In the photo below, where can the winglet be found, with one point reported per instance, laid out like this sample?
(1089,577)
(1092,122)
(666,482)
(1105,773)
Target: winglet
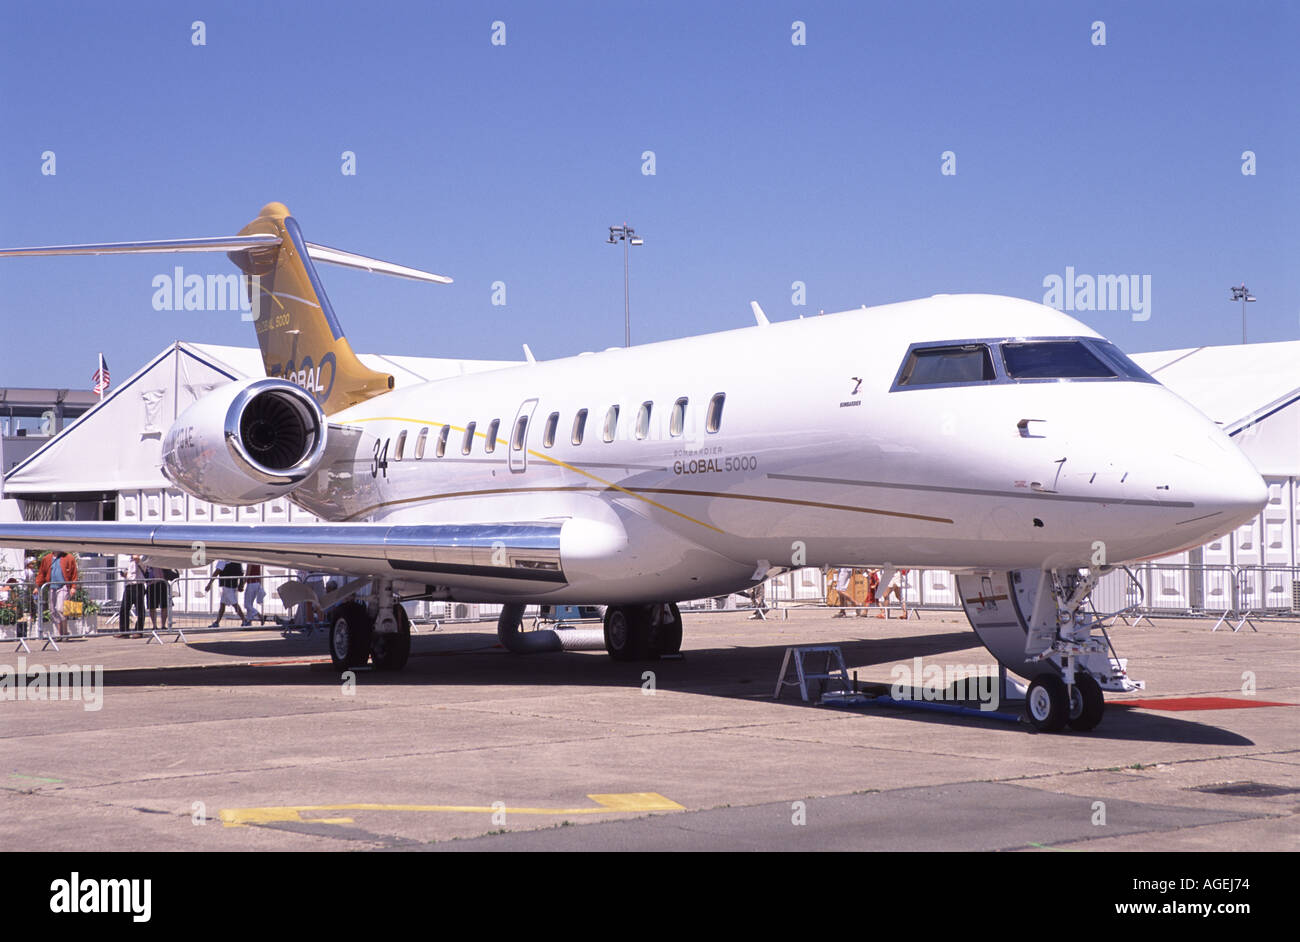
(759,317)
(528,355)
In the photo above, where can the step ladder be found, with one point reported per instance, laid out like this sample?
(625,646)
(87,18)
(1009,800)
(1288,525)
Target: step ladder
(833,670)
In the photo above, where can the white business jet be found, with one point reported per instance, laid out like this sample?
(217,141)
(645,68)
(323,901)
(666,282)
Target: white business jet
(988,435)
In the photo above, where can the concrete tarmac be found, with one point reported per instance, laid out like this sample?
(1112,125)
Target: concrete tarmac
(249,741)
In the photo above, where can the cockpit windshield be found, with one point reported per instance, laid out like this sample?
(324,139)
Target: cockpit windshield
(984,362)
(1053,359)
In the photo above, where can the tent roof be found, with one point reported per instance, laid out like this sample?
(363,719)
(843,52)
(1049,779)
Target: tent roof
(1233,385)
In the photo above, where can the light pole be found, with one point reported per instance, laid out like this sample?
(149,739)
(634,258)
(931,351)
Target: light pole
(1242,294)
(627,235)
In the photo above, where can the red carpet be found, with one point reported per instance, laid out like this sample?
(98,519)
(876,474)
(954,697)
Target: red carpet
(1197,703)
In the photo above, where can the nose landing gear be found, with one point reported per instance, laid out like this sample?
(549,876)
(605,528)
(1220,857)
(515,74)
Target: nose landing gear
(1035,623)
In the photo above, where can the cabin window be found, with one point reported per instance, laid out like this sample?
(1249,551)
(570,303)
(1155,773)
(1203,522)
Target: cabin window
(401,445)
(521,431)
(677,421)
(643,420)
(579,426)
(552,423)
(490,439)
(1053,359)
(949,365)
(611,423)
(420,441)
(468,445)
(442,440)
(714,420)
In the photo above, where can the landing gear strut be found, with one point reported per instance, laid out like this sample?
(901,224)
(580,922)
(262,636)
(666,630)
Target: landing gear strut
(643,632)
(389,651)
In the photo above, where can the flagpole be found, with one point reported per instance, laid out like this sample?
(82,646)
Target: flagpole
(100,384)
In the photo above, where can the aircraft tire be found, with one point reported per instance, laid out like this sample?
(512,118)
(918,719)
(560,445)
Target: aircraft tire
(1087,705)
(350,630)
(389,652)
(1047,704)
(627,631)
(666,632)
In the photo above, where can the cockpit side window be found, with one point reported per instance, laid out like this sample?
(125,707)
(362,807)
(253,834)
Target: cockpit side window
(1054,359)
(948,365)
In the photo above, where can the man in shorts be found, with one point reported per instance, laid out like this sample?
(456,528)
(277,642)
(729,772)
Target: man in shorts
(894,588)
(228,574)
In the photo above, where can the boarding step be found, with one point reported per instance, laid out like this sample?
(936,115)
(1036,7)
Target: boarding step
(833,670)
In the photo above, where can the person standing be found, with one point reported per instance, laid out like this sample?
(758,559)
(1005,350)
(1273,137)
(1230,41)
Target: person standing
(59,571)
(132,597)
(158,592)
(29,589)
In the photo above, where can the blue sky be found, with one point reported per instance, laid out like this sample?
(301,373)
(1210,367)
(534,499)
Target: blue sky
(774,163)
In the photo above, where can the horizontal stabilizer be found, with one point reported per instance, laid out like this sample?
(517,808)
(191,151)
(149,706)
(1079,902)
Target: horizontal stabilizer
(205,244)
(323,253)
(318,253)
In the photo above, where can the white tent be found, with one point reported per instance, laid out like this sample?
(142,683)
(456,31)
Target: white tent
(116,447)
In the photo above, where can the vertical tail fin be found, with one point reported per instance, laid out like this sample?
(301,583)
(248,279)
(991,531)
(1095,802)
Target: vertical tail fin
(297,330)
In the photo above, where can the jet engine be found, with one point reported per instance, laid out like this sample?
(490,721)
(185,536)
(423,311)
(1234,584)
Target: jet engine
(246,442)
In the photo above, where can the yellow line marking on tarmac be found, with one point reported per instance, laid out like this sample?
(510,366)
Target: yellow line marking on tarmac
(628,802)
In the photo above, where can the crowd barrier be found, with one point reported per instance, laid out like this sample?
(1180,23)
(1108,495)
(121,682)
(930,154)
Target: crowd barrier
(1235,595)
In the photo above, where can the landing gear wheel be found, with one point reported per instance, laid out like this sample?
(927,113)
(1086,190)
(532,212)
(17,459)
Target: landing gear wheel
(389,652)
(627,630)
(1086,702)
(1046,703)
(350,630)
(665,629)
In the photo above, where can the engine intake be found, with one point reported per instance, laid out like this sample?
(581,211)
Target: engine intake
(276,432)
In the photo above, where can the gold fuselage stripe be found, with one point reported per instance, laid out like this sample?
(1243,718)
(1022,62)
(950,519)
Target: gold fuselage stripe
(635,492)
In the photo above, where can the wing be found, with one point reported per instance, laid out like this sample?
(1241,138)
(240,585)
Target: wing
(511,558)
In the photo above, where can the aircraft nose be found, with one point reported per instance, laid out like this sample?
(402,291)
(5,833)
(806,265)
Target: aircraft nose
(1231,489)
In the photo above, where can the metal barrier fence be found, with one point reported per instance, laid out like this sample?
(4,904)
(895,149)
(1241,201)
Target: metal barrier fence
(1230,593)
(101,601)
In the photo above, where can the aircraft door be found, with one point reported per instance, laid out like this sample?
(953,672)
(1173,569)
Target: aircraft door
(519,436)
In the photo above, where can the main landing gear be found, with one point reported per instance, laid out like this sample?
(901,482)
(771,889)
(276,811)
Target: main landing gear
(643,632)
(378,631)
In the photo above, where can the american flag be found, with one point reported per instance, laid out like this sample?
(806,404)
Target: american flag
(99,381)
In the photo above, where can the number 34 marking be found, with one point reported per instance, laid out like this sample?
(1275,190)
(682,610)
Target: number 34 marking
(380,462)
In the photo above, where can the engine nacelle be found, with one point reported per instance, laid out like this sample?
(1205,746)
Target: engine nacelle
(246,442)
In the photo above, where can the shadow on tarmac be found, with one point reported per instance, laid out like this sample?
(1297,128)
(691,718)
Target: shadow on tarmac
(746,673)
